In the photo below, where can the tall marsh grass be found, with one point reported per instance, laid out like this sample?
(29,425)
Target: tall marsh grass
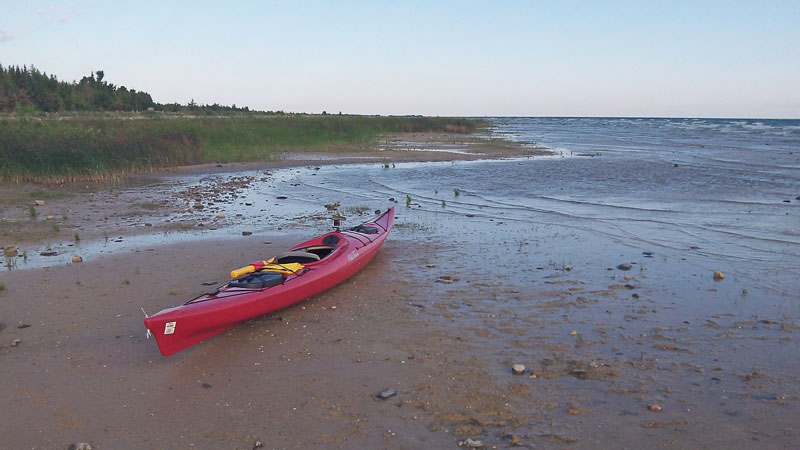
(58,149)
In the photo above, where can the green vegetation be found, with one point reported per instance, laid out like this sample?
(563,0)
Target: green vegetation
(26,90)
(55,149)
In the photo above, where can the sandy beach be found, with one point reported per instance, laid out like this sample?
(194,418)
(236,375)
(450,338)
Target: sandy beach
(440,316)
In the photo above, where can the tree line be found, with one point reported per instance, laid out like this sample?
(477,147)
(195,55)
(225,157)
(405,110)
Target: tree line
(29,90)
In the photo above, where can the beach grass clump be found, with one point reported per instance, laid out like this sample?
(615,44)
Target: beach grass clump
(106,147)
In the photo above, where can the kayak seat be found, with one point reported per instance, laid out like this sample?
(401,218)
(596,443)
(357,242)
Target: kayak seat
(296,257)
(320,250)
(330,239)
(257,280)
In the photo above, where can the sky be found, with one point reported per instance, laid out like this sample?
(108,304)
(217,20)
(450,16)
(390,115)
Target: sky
(440,58)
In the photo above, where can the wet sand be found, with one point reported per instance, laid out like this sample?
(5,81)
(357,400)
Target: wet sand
(610,360)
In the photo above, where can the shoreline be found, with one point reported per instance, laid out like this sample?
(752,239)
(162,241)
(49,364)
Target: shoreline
(451,302)
(94,211)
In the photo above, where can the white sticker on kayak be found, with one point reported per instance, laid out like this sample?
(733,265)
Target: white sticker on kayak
(169,328)
(352,256)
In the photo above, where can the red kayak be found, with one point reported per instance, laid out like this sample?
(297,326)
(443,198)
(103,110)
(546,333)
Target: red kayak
(304,270)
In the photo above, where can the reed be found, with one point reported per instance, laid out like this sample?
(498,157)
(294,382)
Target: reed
(102,147)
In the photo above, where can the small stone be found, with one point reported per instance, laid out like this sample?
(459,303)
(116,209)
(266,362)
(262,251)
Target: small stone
(220,216)
(38,202)
(573,333)
(258,444)
(518,369)
(16,342)
(148,224)
(718,276)
(654,408)
(635,295)
(209,283)
(49,217)
(281,197)
(388,393)
(80,446)
(246,233)
(624,266)
(48,253)
(473,443)
(76,259)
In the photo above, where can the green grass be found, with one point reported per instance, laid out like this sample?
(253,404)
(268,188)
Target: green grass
(103,147)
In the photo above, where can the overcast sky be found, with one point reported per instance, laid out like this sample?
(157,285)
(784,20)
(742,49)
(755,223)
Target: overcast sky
(526,58)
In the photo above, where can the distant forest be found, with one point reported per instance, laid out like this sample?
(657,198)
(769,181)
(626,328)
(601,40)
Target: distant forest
(28,90)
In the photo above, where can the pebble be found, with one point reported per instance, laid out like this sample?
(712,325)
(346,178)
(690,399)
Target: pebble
(48,253)
(281,197)
(473,443)
(573,333)
(80,446)
(258,444)
(38,202)
(654,408)
(220,216)
(246,233)
(624,266)
(388,393)
(77,258)
(16,342)
(718,276)
(209,283)
(518,369)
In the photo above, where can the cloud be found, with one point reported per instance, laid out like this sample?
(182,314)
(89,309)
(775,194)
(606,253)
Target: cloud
(6,36)
(54,14)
